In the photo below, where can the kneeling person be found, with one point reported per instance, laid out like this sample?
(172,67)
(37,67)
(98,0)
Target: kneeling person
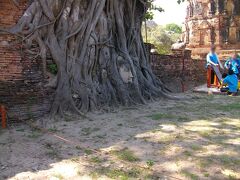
(233,64)
(231,80)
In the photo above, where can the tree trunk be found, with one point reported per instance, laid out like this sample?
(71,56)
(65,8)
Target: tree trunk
(98,48)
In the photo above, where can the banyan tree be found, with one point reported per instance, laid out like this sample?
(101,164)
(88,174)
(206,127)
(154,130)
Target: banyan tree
(98,49)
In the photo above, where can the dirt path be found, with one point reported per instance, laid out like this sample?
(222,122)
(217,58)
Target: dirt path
(190,139)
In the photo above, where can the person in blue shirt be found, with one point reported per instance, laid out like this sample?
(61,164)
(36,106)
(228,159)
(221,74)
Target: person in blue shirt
(212,58)
(231,80)
(233,64)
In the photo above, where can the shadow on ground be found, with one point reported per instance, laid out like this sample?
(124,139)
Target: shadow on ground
(189,139)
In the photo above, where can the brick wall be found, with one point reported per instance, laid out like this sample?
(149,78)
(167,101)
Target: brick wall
(10,60)
(178,70)
(21,79)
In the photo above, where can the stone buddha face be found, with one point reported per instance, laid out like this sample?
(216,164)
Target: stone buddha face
(124,70)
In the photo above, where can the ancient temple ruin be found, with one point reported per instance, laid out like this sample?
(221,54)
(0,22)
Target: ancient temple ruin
(212,22)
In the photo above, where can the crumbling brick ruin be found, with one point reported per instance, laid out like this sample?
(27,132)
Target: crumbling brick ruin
(21,77)
(213,22)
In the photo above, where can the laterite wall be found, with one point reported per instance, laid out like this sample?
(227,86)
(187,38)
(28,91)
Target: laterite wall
(21,80)
(178,70)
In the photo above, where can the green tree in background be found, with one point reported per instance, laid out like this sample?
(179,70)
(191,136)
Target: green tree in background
(149,15)
(174,28)
(162,37)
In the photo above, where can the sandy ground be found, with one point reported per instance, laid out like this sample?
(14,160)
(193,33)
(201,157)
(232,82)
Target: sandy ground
(195,138)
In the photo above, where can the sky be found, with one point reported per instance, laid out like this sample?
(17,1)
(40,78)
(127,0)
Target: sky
(174,12)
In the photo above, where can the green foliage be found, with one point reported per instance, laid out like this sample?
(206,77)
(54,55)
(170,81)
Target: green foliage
(52,68)
(149,14)
(174,28)
(162,37)
(180,1)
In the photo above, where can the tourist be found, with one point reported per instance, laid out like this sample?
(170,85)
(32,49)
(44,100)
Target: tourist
(233,64)
(231,80)
(213,68)
(212,58)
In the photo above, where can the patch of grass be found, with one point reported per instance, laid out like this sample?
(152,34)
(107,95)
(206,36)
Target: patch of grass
(206,174)
(229,107)
(78,148)
(100,136)
(160,116)
(183,119)
(53,154)
(205,134)
(34,135)
(190,175)
(95,160)
(204,163)
(94,175)
(96,129)
(86,131)
(69,119)
(228,161)
(187,153)
(134,173)
(20,130)
(167,139)
(232,177)
(117,173)
(53,129)
(150,163)
(202,117)
(75,159)
(88,151)
(196,147)
(126,155)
